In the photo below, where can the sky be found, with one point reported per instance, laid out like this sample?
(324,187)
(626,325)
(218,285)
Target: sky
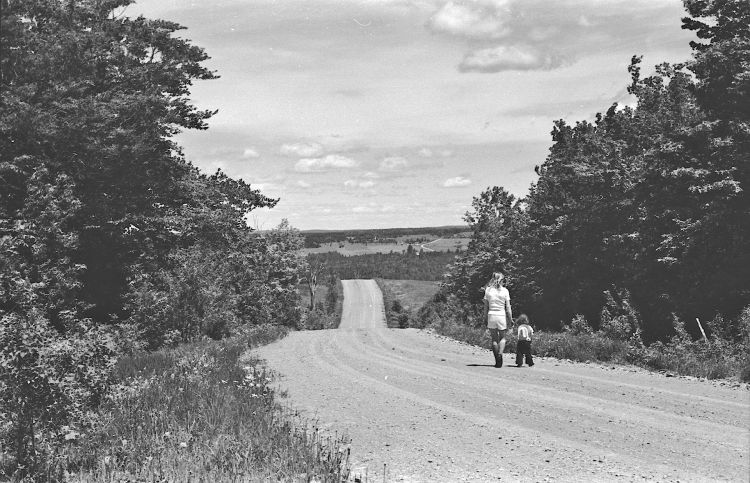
(396,113)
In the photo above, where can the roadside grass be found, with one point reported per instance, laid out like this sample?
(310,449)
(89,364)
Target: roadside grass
(715,358)
(408,295)
(200,412)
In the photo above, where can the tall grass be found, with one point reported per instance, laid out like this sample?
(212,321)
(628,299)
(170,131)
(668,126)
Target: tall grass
(715,358)
(402,299)
(201,412)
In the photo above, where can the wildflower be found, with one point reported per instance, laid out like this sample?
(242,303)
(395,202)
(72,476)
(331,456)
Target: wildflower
(183,445)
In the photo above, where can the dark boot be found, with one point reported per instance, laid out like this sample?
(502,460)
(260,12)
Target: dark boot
(498,358)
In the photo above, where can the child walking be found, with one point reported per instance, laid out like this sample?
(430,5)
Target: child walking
(524,341)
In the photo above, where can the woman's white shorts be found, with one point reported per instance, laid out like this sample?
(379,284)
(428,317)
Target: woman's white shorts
(496,321)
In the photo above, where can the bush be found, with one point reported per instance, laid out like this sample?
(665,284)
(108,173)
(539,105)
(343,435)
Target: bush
(582,346)
(317,320)
(578,326)
(326,315)
(50,385)
(619,320)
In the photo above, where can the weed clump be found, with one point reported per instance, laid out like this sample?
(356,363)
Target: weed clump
(725,354)
(200,412)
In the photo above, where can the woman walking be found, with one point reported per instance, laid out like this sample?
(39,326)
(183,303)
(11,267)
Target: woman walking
(497,311)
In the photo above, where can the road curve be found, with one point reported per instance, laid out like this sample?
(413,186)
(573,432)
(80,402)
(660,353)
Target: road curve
(432,409)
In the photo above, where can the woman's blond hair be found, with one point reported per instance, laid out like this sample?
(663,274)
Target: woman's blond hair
(497,279)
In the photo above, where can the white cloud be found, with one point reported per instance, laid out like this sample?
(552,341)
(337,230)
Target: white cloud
(326,163)
(250,153)
(393,163)
(371,175)
(303,184)
(375,208)
(265,187)
(306,150)
(429,153)
(364,209)
(456,182)
(351,183)
(512,57)
(475,20)
(528,34)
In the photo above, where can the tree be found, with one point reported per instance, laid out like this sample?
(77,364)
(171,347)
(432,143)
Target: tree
(495,221)
(313,270)
(95,96)
(647,203)
(98,207)
(717,233)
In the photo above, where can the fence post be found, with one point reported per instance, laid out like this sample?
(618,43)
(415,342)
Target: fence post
(701,328)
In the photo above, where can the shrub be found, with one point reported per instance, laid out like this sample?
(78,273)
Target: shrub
(745,371)
(583,346)
(397,307)
(619,320)
(318,319)
(578,326)
(50,385)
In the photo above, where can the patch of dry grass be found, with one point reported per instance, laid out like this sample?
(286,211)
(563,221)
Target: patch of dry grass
(411,293)
(402,299)
(201,412)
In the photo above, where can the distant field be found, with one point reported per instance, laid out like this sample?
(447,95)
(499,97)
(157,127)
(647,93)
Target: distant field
(431,243)
(446,244)
(412,294)
(346,248)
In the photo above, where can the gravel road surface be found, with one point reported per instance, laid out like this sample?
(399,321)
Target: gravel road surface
(420,407)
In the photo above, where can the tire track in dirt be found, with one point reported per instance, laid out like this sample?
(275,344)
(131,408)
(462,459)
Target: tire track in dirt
(429,409)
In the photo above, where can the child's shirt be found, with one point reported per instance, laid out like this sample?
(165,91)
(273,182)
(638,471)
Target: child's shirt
(525,332)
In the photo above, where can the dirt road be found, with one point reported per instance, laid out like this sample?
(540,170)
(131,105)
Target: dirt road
(432,409)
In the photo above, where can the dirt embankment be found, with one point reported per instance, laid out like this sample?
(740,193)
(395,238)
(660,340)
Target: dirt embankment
(432,409)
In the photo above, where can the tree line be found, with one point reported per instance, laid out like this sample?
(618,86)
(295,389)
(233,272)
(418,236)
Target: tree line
(411,265)
(110,241)
(641,216)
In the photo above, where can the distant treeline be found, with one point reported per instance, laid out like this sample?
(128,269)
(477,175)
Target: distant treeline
(397,266)
(314,239)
